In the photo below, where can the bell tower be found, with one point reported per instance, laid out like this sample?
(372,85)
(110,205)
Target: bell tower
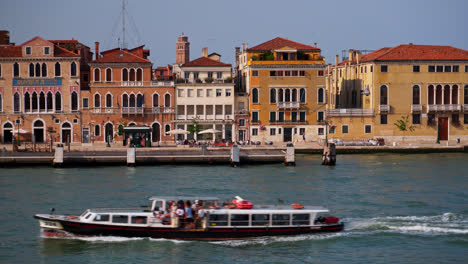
(182,49)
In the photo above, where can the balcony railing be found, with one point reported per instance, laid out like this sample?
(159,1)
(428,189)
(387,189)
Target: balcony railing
(384,108)
(350,112)
(444,107)
(416,108)
(281,105)
(136,83)
(465,107)
(287,122)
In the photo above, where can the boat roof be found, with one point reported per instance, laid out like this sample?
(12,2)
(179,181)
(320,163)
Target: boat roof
(271,208)
(176,198)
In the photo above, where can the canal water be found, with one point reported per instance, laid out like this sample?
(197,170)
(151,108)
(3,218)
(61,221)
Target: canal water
(397,209)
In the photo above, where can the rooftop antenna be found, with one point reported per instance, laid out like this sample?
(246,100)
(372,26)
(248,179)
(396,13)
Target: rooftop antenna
(124,45)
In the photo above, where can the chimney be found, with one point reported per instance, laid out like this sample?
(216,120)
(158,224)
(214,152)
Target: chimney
(204,52)
(97,49)
(315,44)
(351,54)
(4,37)
(337,60)
(358,57)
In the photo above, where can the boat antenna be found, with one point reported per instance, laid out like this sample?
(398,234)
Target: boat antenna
(52,210)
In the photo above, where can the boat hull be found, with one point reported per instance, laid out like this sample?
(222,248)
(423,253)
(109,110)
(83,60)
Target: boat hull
(88,229)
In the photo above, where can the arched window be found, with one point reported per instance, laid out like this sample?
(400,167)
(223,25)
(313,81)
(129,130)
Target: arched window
(124,75)
(125,100)
(132,100)
(49,100)
(108,100)
(97,100)
(34,102)
(302,95)
(167,100)
(139,75)
(280,95)
(108,75)
(155,100)
(97,75)
(447,94)
(465,95)
(439,94)
(38,70)
(320,96)
(430,96)
(31,70)
(74,101)
(132,74)
(58,69)
(383,95)
(44,70)
(27,102)
(272,96)
(167,129)
(73,69)
(58,102)
(97,130)
(1,103)
(42,102)
(287,97)
(16,102)
(455,94)
(16,69)
(416,95)
(140,100)
(254,96)
(294,95)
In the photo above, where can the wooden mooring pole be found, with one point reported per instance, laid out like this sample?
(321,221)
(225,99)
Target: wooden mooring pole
(329,154)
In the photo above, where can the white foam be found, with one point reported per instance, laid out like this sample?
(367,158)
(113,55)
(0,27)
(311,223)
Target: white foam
(429,229)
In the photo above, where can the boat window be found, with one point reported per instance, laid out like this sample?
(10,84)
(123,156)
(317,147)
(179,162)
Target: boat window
(239,220)
(300,219)
(87,216)
(218,220)
(158,206)
(120,219)
(85,212)
(260,219)
(139,220)
(280,219)
(101,218)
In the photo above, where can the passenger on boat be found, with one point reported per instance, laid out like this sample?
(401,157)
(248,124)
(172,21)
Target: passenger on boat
(201,214)
(180,213)
(165,217)
(188,215)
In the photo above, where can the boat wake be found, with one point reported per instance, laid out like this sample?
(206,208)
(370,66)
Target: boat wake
(438,225)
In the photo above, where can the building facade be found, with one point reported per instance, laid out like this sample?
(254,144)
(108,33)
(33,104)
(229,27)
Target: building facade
(425,87)
(123,93)
(205,97)
(39,92)
(285,84)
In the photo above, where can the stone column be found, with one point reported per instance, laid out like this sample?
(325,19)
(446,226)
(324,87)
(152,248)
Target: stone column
(224,131)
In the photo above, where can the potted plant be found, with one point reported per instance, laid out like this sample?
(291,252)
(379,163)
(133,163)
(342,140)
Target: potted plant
(228,80)
(208,80)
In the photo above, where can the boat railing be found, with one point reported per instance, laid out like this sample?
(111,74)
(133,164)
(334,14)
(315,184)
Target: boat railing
(121,210)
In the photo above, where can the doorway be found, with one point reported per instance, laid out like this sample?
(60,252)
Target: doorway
(287,134)
(38,130)
(7,133)
(85,136)
(156,132)
(66,133)
(241,135)
(109,132)
(443,128)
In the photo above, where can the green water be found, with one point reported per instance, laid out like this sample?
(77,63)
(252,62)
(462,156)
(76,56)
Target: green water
(397,209)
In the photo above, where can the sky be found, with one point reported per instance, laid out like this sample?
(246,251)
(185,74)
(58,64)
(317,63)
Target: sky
(222,25)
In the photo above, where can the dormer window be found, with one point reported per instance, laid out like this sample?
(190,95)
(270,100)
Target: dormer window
(46,50)
(28,50)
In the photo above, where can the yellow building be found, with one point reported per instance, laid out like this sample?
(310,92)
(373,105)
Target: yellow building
(286,86)
(424,86)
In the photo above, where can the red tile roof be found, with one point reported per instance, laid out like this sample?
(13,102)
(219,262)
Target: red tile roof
(204,62)
(61,52)
(279,42)
(410,52)
(7,51)
(119,56)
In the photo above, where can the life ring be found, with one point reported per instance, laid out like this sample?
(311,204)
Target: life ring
(72,217)
(296,205)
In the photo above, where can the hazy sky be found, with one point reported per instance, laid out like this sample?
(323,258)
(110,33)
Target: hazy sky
(222,25)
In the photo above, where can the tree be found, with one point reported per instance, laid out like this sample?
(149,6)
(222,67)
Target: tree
(194,128)
(404,125)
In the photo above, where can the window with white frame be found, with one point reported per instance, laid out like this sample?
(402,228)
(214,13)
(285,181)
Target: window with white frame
(320,131)
(368,129)
(85,102)
(219,92)
(209,92)
(272,131)
(46,50)
(254,131)
(28,51)
(228,92)
(344,129)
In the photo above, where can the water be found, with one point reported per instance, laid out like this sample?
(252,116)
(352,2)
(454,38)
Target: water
(397,209)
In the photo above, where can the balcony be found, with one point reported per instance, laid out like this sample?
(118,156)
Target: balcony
(162,109)
(350,112)
(416,108)
(162,83)
(132,110)
(287,122)
(282,105)
(384,108)
(134,83)
(445,107)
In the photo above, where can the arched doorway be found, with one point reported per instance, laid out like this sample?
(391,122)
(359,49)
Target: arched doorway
(109,132)
(38,131)
(66,133)
(156,133)
(7,133)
